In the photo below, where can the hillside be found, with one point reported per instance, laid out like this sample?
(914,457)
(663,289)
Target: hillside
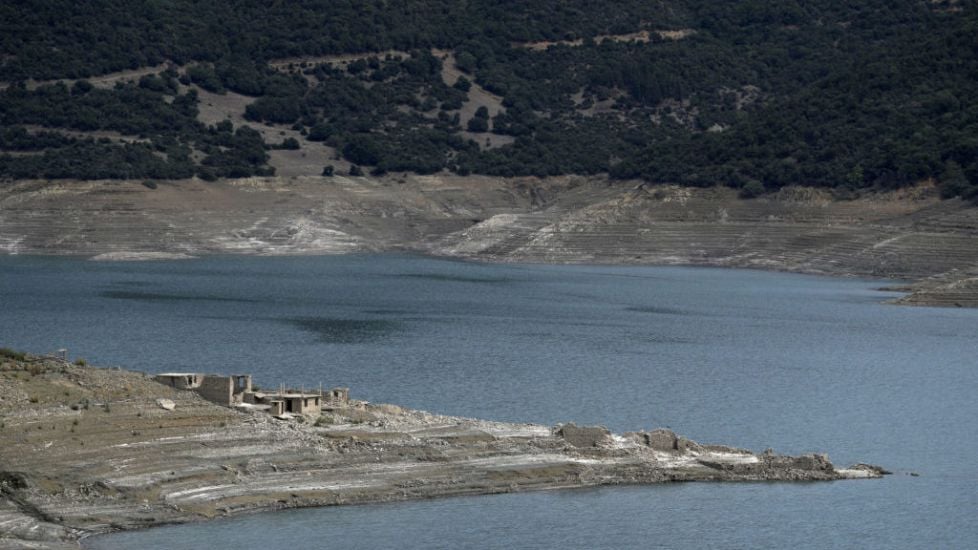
(908,234)
(756,96)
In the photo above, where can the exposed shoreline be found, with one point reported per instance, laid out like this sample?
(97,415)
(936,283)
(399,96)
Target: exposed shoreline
(906,235)
(89,451)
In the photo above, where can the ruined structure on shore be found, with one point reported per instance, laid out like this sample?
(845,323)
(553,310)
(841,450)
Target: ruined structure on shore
(88,450)
(236,390)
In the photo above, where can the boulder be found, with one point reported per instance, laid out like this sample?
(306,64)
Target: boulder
(166,404)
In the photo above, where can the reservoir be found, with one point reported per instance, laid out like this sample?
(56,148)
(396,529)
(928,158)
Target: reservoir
(746,358)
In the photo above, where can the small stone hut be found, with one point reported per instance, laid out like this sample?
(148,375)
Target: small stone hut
(237,391)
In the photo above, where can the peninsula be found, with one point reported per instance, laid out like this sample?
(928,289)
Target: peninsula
(89,450)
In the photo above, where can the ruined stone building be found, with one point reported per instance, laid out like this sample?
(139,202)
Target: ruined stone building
(236,391)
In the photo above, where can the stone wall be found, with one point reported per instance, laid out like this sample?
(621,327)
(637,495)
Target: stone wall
(584,436)
(180,381)
(217,389)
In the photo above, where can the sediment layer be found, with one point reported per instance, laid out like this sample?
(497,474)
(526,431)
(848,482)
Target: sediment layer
(910,234)
(87,450)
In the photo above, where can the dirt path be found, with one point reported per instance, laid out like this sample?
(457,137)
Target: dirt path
(641,37)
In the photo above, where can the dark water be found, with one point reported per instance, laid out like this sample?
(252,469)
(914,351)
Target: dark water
(745,358)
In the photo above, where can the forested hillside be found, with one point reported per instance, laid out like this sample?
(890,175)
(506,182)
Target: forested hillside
(752,94)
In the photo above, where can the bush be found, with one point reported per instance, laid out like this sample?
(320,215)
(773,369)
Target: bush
(81,362)
(281,110)
(290,144)
(479,125)
(751,189)
(205,77)
(328,170)
(319,132)
(463,84)
(12,354)
(325,420)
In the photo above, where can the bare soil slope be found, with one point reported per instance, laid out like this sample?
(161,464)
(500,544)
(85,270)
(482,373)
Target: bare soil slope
(909,235)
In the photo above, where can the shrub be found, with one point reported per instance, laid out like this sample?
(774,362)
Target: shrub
(478,124)
(751,189)
(463,84)
(325,420)
(11,354)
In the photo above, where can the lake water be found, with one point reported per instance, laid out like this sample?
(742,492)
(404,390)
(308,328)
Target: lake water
(745,358)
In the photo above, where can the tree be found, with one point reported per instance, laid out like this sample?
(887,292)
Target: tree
(953,182)
(466,62)
(478,125)
(463,84)
(751,189)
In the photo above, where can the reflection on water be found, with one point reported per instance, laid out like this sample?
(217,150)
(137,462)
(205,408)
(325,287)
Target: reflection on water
(657,310)
(157,297)
(346,331)
(456,278)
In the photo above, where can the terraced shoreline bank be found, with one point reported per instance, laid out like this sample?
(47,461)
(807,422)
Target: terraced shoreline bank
(87,451)
(909,235)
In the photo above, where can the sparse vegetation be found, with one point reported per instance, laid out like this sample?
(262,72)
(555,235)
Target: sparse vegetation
(325,420)
(756,95)
(12,354)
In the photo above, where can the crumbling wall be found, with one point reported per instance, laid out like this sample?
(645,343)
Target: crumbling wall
(584,436)
(242,384)
(304,405)
(217,389)
(663,440)
(179,381)
(338,396)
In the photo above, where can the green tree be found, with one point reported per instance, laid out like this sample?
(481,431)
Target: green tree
(953,182)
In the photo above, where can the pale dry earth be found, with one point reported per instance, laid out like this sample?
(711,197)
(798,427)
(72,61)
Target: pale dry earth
(87,450)
(931,245)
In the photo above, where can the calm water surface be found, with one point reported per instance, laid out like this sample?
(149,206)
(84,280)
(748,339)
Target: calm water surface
(746,358)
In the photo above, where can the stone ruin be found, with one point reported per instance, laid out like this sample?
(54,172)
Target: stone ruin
(237,391)
(662,440)
(584,436)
